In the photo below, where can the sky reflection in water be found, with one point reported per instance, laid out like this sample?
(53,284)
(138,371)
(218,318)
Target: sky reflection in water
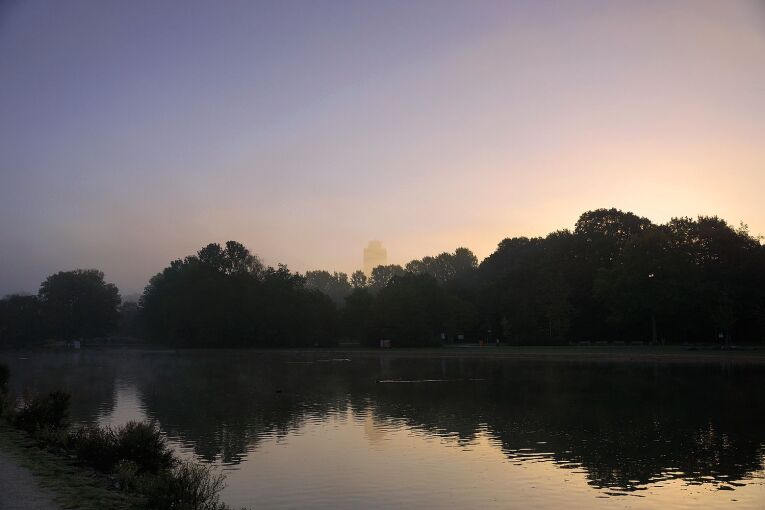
(304,430)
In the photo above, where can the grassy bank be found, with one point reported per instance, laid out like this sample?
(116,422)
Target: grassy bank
(74,485)
(96,467)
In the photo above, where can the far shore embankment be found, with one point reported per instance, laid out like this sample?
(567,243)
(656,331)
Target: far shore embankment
(594,353)
(752,354)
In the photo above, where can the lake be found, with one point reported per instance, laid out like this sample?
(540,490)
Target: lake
(329,430)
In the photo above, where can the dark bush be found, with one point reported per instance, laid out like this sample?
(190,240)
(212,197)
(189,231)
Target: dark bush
(144,444)
(95,446)
(139,444)
(48,412)
(128,478)
(4,375)
(4,399)
(6,404)
(188,486)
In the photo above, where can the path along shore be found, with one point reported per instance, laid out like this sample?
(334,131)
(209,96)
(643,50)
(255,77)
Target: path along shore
(19,489)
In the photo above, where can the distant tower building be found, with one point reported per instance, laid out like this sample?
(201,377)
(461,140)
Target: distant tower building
(374,255)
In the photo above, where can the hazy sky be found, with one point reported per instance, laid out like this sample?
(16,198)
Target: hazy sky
(134,132)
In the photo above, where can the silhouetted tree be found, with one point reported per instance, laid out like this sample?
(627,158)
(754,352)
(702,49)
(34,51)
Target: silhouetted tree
(694,280)
(619,277)
(233,259)
(358,280)
(129,322)
(357,315)
(224,297)
(381,275)
(644,290)
(446,266)
(79,304)
(414,310)
(615,277)
(335,285)
(21,321)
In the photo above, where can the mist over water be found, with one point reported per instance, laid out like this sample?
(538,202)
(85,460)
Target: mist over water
(328,430)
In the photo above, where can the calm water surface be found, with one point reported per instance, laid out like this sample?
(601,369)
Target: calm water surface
(328,431)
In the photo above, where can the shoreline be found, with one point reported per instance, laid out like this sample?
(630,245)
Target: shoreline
(69,484)
(579,354)
(20,489)
(567,353)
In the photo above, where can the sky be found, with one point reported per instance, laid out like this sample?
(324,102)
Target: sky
(134,133)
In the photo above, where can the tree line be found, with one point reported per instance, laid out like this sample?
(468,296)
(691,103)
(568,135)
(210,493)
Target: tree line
(616,277)
(70,305)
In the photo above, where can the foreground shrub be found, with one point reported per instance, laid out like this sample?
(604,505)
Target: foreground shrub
(139,444)
(4,374)
(144,445)
(6,404)
(4,398)
(47,412)
(95,446)
(187,486)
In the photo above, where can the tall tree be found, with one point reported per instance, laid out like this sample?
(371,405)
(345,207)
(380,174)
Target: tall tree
(21,321)
(358,280)
(414,310)
(381,275)
(335,285)
(80,304)
(233,259)
(223,297)
(445,267)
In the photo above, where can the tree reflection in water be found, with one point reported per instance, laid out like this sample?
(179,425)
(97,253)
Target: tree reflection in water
(627,425)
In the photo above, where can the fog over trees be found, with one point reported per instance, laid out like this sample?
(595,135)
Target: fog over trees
(616,277)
